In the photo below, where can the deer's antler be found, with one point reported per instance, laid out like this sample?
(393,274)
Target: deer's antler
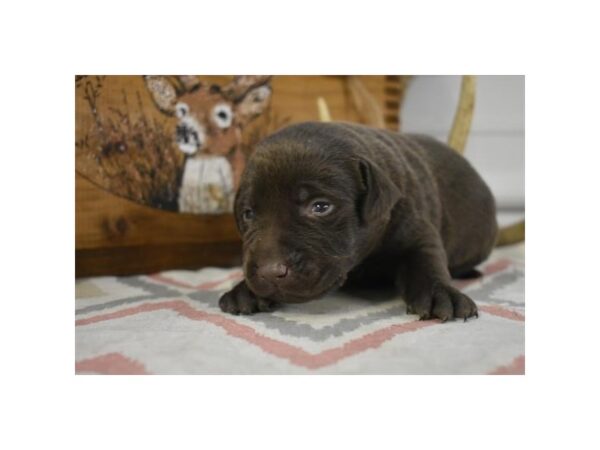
(241,84)
(324,115)
(366,105)
(464,115)
(458,140)
(189,82)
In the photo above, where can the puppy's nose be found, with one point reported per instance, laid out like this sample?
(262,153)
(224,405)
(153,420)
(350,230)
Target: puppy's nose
(273,271)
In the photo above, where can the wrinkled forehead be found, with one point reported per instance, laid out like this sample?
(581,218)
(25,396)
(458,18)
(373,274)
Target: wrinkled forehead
(299,179)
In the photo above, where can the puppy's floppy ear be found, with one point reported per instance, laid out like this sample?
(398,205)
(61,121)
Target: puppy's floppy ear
(379,194)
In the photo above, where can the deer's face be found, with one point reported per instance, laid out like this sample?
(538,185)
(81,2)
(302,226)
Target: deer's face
(210,118)
(207,123)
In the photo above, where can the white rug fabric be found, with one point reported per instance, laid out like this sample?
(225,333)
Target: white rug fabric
(170,323)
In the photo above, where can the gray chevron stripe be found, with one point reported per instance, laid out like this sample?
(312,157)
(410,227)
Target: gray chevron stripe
(273,322)
(154,291)
(289,327)
(485,292)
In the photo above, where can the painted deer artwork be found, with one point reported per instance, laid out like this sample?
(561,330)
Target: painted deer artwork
(209,131)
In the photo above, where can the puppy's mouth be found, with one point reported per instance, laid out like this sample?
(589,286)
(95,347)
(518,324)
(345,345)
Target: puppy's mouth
(287,294)
(291,297)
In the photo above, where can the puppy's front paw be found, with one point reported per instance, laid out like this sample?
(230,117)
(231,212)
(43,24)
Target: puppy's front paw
(443,302)
(241,300)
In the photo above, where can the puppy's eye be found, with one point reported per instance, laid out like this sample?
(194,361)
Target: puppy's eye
(248,214)
(321,208)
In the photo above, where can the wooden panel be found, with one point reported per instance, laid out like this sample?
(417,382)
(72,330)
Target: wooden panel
(125,144)
(394,89)
(295,97)
(103,220)
(155,258)
(117,236)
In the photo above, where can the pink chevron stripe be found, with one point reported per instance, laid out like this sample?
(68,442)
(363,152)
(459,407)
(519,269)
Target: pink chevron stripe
(294,354)
(496,266)
(207,285)
(165,280)
(516,367)
(369,341)
(502,312)
(490,269)
(111,364)
(283,350)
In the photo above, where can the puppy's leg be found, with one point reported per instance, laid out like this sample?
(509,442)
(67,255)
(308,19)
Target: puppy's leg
(425,282)
(241,300)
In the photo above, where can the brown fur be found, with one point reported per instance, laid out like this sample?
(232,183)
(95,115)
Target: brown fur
(406,210)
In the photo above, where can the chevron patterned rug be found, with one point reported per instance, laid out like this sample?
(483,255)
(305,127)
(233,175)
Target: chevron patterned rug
(170,323)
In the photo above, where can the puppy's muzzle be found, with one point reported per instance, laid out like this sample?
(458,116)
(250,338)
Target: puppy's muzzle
(276,280)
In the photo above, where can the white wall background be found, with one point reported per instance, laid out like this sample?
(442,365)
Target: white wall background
(496,145)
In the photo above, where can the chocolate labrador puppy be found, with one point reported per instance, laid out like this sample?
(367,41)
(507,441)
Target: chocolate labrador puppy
(324,204)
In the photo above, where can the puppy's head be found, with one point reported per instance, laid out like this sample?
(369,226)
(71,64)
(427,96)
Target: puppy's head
(310,204)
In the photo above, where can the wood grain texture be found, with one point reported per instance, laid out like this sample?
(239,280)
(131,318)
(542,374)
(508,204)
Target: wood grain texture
(370,109)
(125,144)
(103,220)
(295,96)
(395,88)
(116,236)
(155,258)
